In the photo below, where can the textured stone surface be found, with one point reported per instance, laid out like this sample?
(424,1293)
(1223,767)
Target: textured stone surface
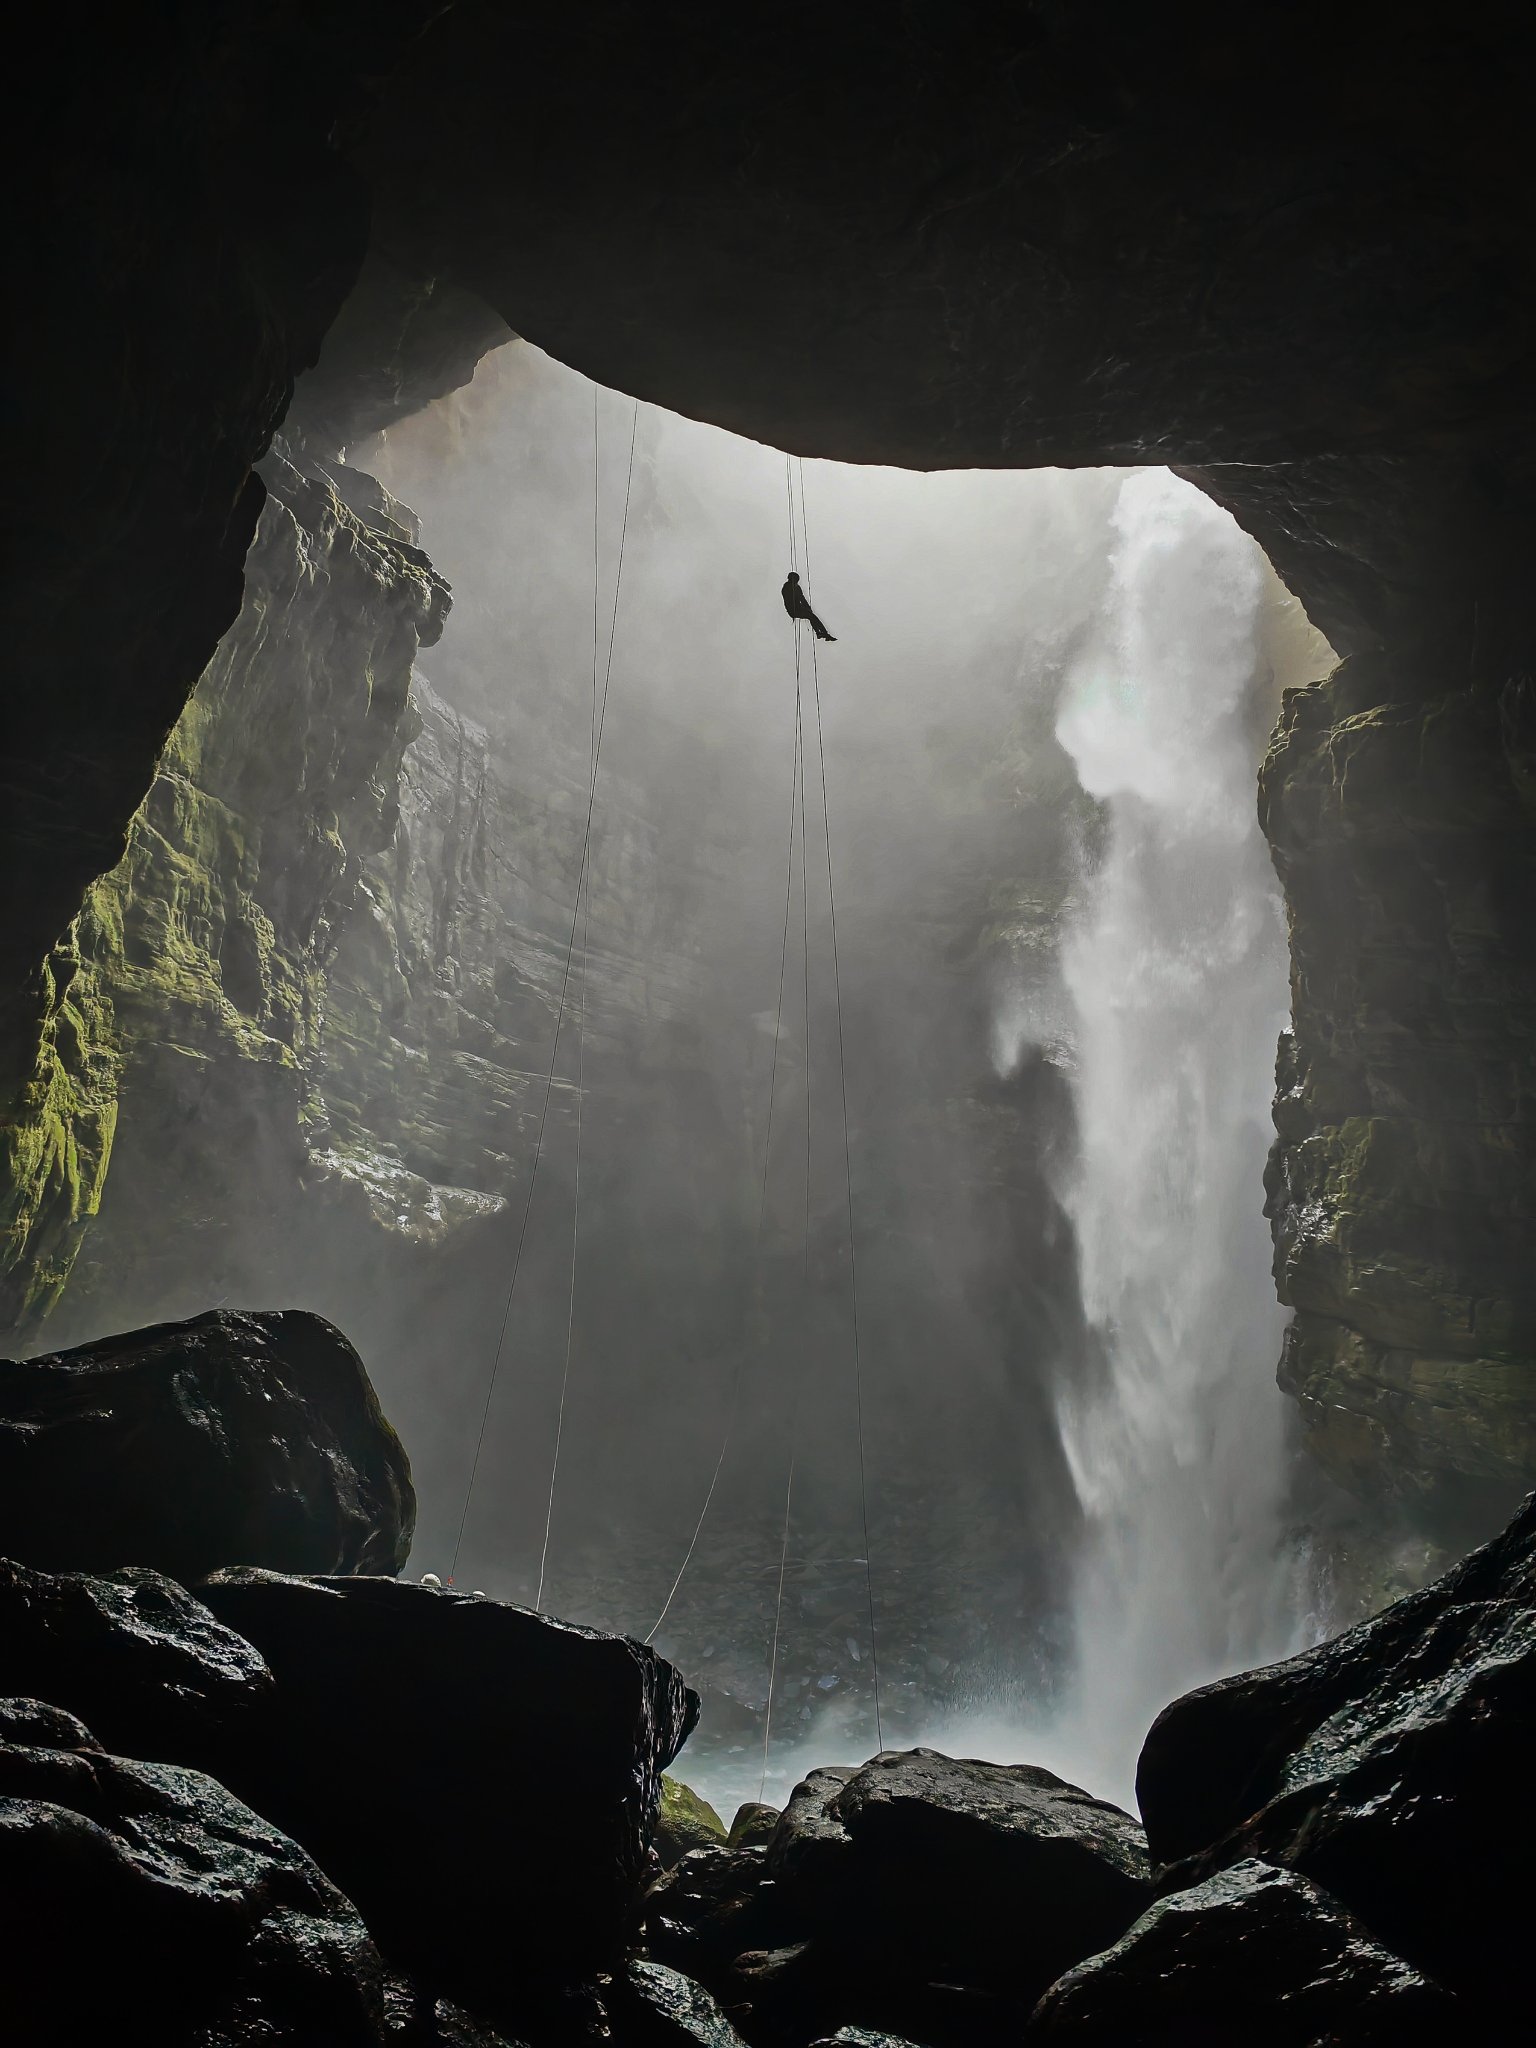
(144,1899)
(232,1439)
(753,1825)
(1402,1185)
(1379,1764)
(1254,1954)
(483,1780)
(664,2009)
(923,1894)
(205,947)
(989,1873)
(134,1656)
(684,1821)
(712,1907)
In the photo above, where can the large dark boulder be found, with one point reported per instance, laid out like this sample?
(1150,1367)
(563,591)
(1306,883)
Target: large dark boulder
(483,1781)
(1256,1955)
(1393,1765)
(143,1901)
(135,1657)
(999,1876)
(233,1439)
(927,1896)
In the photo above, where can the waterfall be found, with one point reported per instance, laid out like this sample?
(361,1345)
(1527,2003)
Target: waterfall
(1175,969)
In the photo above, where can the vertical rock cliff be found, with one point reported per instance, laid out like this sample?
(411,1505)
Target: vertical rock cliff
(205,950)
(1400,1184)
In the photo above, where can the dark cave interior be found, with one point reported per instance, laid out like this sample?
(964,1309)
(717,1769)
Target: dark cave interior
(1284,253)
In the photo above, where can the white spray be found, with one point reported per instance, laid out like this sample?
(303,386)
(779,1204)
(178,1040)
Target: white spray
(1175,969)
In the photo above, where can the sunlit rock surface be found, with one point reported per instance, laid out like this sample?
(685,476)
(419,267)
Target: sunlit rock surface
(685,1821)
(235,1438)
(1401,1182)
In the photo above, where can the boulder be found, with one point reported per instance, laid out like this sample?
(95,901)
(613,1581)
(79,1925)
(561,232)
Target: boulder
(925,1868)
(684,1822)
(135,1657)
(233,1439)
(1389,1765)
(662,2008)
(754,1825)
(1254,1954)
(716,1903)
(144,1900)
(480,1779)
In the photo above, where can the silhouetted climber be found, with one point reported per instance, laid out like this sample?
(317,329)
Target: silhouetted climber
(796,605)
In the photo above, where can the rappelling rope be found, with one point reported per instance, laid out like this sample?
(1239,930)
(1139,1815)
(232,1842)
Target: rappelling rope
(794,1408)
(762,1199)
(796,783)
(565,981)
(842,1070)
(581,1021)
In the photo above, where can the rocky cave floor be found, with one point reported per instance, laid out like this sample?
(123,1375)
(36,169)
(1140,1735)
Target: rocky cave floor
(256,1788)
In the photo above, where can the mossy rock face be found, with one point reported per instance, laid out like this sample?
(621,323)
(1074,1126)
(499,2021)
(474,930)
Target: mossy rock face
(754,1824)
(1399,1183)
(685,1822)
(206,950)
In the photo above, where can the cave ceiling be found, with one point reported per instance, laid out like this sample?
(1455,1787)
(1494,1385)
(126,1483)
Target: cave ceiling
(1285,250)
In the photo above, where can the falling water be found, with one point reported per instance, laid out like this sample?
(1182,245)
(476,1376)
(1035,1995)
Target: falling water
(1176,972)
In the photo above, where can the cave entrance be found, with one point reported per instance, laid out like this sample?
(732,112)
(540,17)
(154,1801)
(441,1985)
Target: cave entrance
(1063,972)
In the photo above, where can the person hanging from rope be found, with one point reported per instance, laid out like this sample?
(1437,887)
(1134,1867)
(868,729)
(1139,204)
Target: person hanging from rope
(798,606)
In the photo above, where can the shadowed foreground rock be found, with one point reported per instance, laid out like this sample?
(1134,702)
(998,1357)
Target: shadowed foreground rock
(993,1875)
(232,1439)
(144,1901)
(1380,1765)
(483,1781)
(715,1905)
(930,1897)
(134,1656)
(1256,1955)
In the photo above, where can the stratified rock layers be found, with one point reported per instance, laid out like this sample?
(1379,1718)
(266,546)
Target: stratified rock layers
(211,937)
(1401,1183)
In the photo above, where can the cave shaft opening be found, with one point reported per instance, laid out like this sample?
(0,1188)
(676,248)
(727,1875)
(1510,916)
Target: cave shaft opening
(979,615)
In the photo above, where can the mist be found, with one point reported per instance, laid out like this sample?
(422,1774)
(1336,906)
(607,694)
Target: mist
(1062,972)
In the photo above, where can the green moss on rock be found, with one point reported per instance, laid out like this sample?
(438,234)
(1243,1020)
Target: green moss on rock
(685,1822)
(208,945)
(1399,1186)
